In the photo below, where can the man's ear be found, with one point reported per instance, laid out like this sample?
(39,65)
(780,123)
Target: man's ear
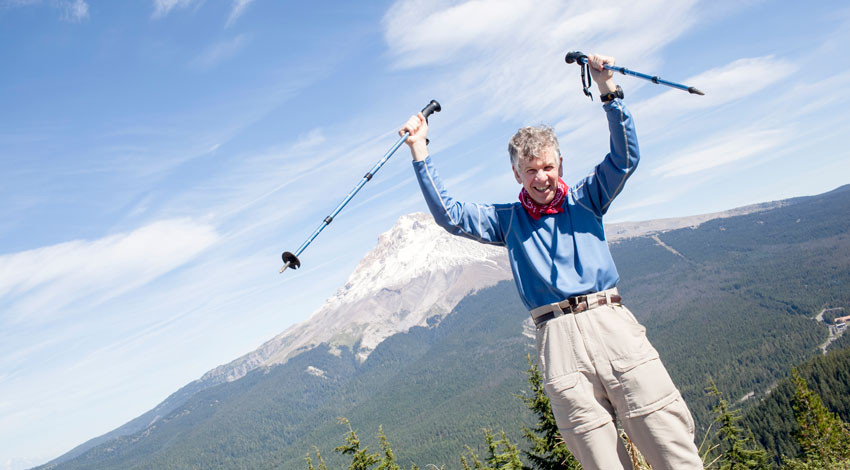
(560,166)
(516,175)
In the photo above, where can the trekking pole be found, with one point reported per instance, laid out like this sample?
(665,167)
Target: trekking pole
(290,260)
(581,59)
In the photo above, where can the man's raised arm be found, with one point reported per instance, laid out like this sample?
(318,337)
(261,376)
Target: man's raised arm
(476,221)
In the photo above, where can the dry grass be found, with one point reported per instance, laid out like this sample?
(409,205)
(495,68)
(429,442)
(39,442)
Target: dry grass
(639,462)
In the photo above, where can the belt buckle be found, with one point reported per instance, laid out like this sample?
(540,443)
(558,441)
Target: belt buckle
(575,302)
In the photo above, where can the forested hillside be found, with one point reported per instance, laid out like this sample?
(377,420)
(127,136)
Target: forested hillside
(772,422)
(432,389)
(733,300)
(736,300)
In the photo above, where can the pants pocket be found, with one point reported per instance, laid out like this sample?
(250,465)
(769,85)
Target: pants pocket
(645,385)
(574,405)
(625,338)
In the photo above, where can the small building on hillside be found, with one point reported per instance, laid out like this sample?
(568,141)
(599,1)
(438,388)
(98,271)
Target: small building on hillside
(841,320)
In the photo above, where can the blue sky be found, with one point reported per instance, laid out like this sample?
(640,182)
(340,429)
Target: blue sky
(157,156)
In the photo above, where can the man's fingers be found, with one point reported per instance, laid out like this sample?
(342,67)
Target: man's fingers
(413,124)
(416,127)
(410,126)
(598,61)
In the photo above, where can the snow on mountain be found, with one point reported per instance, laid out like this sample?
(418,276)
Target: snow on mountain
(416,271)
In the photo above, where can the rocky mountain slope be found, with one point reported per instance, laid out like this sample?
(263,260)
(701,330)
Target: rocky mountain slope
(416,272)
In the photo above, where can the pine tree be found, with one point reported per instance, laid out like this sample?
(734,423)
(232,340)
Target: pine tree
(503,455)
(321,466)
(388,461)
(361,459)
(737,445)
(823,437)
(548,451)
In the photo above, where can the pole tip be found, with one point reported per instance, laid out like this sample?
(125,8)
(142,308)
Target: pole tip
(694,91)
(289,260)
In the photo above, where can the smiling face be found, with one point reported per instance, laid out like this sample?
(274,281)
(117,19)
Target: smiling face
(539,175)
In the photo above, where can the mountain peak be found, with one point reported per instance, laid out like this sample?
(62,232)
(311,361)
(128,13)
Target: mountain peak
(412,248)
(416,271)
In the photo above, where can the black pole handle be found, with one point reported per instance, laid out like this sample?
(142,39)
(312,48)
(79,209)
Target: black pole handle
(432,107)
(575,56)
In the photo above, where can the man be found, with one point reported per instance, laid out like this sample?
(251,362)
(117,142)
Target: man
(595,358)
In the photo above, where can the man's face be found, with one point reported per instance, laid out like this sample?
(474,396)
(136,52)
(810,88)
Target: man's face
(539,176)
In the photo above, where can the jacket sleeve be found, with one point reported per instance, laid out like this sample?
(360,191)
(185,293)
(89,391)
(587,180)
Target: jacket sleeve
(479,222)
(596,192)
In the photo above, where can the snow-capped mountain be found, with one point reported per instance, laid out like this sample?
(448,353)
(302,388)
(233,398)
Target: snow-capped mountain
(416,272)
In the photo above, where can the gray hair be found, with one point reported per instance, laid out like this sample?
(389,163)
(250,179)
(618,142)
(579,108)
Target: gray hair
(530,142)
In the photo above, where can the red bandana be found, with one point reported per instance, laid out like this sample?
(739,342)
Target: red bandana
(535,210)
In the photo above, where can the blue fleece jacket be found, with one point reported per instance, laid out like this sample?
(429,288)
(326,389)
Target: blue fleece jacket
(559,255)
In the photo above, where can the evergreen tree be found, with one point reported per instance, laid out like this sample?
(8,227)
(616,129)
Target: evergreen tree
(361,459)
(548,451)
(321,466)
(737,445)
(823,437)
(503,455)
(388,461)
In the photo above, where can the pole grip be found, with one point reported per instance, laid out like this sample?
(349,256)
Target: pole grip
(576,56)
(431,108)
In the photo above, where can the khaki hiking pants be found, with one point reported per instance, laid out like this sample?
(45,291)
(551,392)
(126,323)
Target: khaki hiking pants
(598,364)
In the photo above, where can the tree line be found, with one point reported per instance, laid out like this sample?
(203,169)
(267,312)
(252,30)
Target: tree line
(820,436)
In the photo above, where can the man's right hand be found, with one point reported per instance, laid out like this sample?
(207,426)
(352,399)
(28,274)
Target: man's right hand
(603,78)
(417,126)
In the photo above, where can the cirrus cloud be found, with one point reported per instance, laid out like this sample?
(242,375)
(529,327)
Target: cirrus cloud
(35,284)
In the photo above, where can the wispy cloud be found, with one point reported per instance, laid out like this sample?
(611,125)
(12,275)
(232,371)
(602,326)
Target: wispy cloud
(220,52)
(75,11)
(41,282)
(449,29)
(163,7)
(309,141)
(672,109)
(18,3)
(510,54)
(238,8)
(722,150)
(721,85)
